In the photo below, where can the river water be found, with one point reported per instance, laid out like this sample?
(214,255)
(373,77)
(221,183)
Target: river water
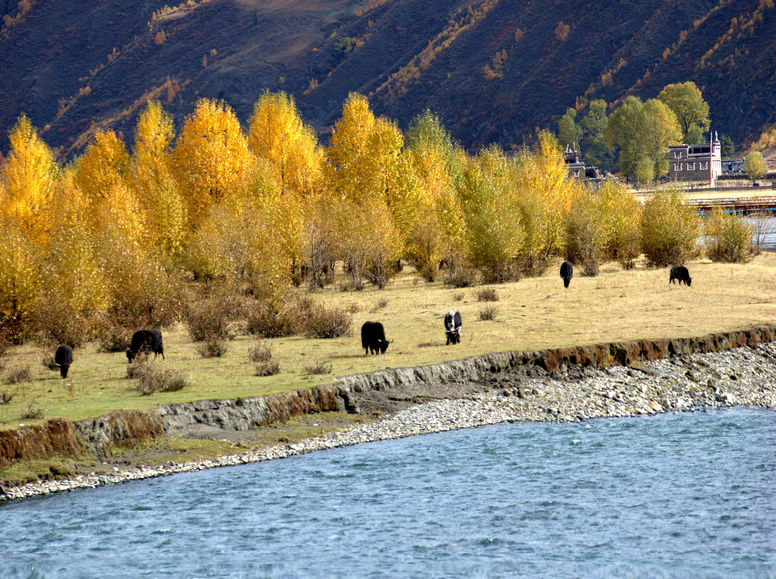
(674,495)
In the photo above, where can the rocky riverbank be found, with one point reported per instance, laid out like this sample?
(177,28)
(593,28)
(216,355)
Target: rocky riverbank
(567,392)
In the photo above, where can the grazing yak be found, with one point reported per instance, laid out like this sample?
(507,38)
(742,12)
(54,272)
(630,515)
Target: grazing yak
(680,273)
(566,272)
(145,341)
(373,338)
(63,357)
(453,327)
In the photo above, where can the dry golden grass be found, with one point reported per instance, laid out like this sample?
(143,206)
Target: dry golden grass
(534,313)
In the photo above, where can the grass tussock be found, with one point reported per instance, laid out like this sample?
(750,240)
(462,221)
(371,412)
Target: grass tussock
(267,368)
(488,313)
(212,348)
(317,368)
(487,294)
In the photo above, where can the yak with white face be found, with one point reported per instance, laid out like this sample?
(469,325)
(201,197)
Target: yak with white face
(453,327)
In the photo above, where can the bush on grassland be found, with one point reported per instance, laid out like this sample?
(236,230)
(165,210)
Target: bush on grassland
(317,368)
(260,353)
(487,294)
(728,237)
(152,378)
(326,323)
(669,229)
(208,320)
(271,320)
(267,368)
(212,348)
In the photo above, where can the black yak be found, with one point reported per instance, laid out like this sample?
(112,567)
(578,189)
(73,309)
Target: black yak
(566,272)
(373,338)
(680,273)
(145,341)
(62,359)
(453,327)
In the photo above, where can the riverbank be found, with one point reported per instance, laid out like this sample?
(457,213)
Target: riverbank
(568,392)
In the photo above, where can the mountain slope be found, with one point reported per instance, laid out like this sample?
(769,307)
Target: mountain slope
(494,70)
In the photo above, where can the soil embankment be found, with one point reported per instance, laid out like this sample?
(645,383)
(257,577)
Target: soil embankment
(614,379)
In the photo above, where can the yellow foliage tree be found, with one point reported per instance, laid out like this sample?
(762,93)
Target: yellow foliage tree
(493,213)
(367,176)
(212,158)
(75,291)
(104,164)
(154,181)
(439,232)
(278,134)
(27,181)
(546,194)
(19,281)
(622,223)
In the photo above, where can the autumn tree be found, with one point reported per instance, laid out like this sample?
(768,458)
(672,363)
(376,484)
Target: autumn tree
(643,132)
(19,281)
(104,164)
(153,179)
(212,159)
(439,232)
(586,232)
(755,166)
(492,207)
(692,112)
(365,176)
(622,223)
(727,237)
(669,229)
(546,194)
(278,134)
(27,180)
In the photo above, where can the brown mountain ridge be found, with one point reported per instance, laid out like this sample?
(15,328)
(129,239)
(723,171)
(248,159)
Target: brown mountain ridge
(493,70)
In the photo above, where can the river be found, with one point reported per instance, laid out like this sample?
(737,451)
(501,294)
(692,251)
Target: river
(691,494)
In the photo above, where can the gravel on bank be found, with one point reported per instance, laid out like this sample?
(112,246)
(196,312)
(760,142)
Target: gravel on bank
(743,376)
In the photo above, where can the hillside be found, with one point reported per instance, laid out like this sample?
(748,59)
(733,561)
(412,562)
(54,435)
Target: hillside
(494,70)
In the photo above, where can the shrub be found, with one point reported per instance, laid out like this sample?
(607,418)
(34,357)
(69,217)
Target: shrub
(488,313)
(268,320)
(260,353)
(113,338)
(487,294)
(212,348)
(267,368)
(458,296)
(208,320)
(669,229)
(6,397)
(18,375)
(323,323)
(460,276)
(728,238)
(32,412)
(320,367)
(152,378)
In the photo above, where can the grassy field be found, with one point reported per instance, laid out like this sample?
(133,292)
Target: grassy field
(533,313)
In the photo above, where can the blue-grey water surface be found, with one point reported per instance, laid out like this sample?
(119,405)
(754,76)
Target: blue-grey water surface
(676,495)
